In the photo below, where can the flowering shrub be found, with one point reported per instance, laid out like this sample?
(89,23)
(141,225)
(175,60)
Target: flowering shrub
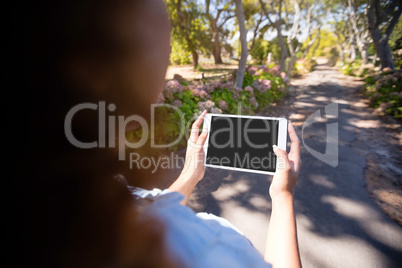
(262,86)
(303,66)
(385,92)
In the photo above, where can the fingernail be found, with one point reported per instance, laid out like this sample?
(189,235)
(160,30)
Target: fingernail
(275,147)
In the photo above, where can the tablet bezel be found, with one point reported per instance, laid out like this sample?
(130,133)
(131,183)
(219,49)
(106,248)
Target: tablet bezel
(282,138)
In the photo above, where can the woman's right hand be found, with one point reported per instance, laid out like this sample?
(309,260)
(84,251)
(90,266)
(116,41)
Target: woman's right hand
(287,168)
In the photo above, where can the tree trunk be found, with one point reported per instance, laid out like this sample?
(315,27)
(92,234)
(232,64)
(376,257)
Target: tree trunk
(364,53)
(243,43)
(292,35)
(195,58)
(292,60)
(341,54)
(284,51)
(352,51)
(217,45)
(382,48)
(384,52)
(341,51)
(380,40)
(277,25)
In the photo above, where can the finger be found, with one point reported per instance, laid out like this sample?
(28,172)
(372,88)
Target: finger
(202,138)
(282,158)
(196,126)
(294,142)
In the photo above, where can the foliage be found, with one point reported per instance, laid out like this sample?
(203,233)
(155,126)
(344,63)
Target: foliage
(356,68)
(395,39)
(189,26)
(385,92)
(262,86)
(260,50)
(304,66)
(348,67)
(179,54)
(276,50)
(323,44)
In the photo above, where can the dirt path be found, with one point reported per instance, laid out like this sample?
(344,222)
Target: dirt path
(339,224)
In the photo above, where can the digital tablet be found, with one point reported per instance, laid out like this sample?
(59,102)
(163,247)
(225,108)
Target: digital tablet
(244,143)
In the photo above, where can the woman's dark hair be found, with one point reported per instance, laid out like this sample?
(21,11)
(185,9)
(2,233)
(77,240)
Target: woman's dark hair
(69,207)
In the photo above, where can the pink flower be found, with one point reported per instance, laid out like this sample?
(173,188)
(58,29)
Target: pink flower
(209,88)
(253,102)
(223,105)
(228,85)
(252,70)
(196,92)
(203,94)
(168,94)
(161,98)
(267,83)
(262,85)
(174,86)
(177,103)
(216,110)
(249,89)
(171,87)
(283,75)
(205,105)
(274,70)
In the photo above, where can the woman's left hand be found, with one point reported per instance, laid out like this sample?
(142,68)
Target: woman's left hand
(194,164)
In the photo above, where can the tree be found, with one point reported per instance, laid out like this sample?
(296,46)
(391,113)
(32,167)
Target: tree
(359,26)
(260,50)
(311,31)
(294,27)
(243,41)
(188,26)
(340,29)
(382,18)
(277,25)
(216,22)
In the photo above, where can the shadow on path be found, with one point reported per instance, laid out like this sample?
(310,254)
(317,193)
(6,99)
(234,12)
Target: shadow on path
(338,224)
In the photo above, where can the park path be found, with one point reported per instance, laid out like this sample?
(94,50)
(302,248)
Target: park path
(339,225)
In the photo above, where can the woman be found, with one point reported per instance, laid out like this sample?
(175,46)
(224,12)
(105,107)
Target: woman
(74,210)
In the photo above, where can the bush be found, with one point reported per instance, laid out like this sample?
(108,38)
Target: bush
(356,68)
(260,50)
(261,87)
(179,54)
(304,66)
(385,92)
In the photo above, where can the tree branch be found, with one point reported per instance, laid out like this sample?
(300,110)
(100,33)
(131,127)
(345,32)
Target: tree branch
(393,21)
(225,20)
(255,31)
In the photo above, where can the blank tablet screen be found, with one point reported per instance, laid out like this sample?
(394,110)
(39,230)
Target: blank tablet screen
(244,143)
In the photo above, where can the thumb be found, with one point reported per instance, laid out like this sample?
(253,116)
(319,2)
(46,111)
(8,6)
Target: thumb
(282,158)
